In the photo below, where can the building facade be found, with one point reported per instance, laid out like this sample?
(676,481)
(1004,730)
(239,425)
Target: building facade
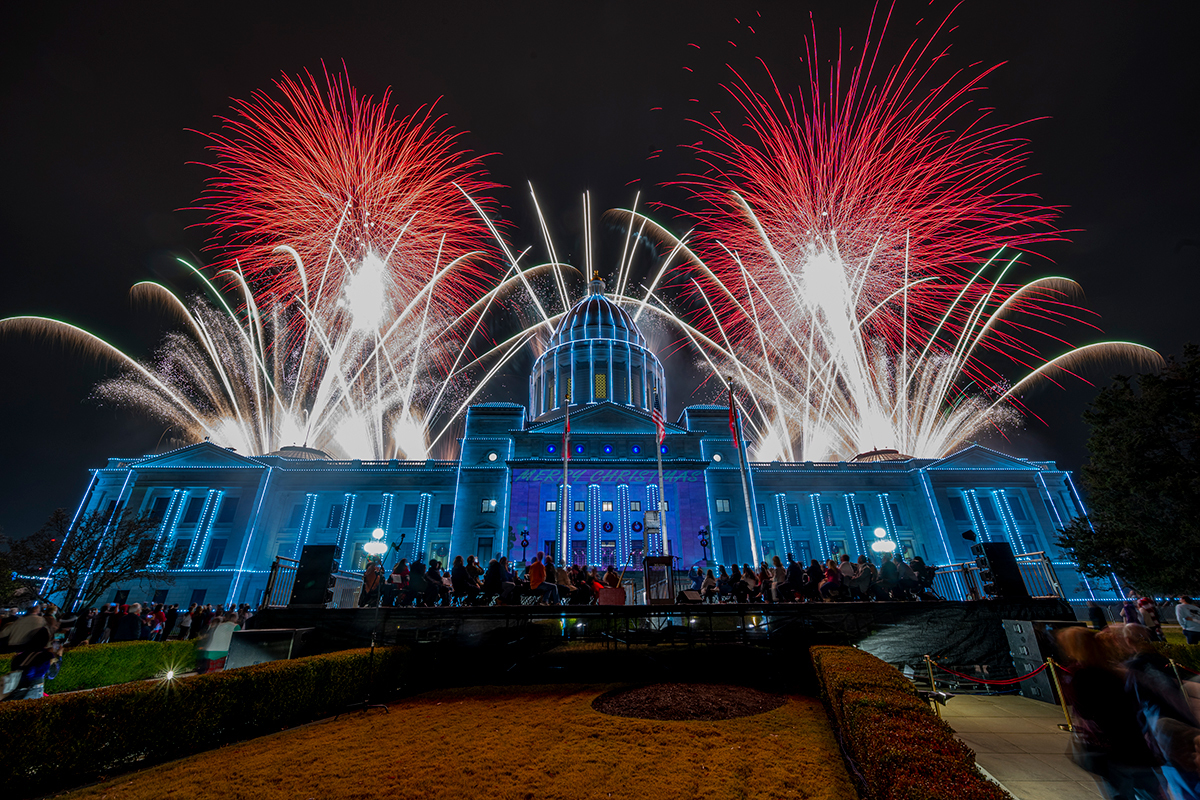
(223,517)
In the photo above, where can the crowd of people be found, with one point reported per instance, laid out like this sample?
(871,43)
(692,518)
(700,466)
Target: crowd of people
(541,581)
(39,638)
(1135,724)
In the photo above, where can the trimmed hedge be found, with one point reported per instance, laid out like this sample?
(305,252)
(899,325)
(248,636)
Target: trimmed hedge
(1185,655)
(900,748)
(95,665)
(68,740)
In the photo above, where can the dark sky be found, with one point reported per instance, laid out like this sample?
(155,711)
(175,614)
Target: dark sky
(97,100)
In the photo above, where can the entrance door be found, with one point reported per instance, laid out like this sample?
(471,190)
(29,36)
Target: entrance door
(729,549)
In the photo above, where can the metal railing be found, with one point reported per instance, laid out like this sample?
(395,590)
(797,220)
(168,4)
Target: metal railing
(346,587)
(961,581)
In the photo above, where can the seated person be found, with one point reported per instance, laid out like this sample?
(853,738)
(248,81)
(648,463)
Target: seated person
(546,590)
(435,584)
(888,580)
(417,584)
(612,578)
(708,587)
(463,582)
(906,579)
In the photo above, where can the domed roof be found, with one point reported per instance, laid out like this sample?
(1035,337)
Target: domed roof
(597,317)
(879,455)
(298,453)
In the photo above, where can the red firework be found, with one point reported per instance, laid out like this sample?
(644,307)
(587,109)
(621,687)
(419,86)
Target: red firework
(911,178)
(334,175)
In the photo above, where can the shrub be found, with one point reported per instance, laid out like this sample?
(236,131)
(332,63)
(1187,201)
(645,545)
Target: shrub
(899,747)
(70,739)
(1185,655)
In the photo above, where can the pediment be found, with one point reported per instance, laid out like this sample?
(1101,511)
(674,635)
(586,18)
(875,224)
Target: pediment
(201,454)
(980,457)
(604,418)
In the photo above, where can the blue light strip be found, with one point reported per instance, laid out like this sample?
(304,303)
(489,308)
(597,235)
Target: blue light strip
(785,525)
(562,534)
(652,544)
(344,532)
(306,523)
(1010,523)
(421,535)
(594,522)
(856,526)
(623,523)
(161,542)
(822,537)
(213,502)
(976,514)
(937,522)
(74,520)
(1079,502)
(116,512)
(251,528)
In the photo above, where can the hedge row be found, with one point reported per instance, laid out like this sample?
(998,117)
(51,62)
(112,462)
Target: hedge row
(68,740)
(95,665)
(1185,655)
(900,748)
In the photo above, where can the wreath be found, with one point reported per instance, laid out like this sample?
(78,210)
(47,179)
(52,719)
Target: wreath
(637,526)
(578,526)
(608,527)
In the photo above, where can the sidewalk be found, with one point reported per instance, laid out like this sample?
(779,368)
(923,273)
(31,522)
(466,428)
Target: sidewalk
(1018,742)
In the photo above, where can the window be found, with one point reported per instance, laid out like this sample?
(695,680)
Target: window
(907,551)
(216,552)
(371,520)
(987,507)
(768,549)
(635,505)
(1028,543)
(335,516)
(958,508)
(827,515)
(896,518)
(1018,508)
(228,509)
(160,508)
(483,550)
(487,506)
(160,596)
(144,548)
(581,505)
(409,518)
(446,516)
(296,516)
(761,510)
(197,596)
(179,554)
(666,505)
(722,506)
(862,514)
(793,515)
(548,550)
(601,386)
(121,596)
(552,505)
(192,515)
(837,548)
(637,549)
(606,505)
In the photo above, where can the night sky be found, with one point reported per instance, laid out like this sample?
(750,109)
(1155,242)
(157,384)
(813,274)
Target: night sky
(98,99)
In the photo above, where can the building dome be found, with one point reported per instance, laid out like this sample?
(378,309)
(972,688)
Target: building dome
(872,456)
(595,355)
(298,453)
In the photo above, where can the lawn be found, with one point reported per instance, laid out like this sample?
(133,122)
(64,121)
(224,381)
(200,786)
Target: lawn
(502,743)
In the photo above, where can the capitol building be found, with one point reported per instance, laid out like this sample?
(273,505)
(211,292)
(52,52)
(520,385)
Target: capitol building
(225,516)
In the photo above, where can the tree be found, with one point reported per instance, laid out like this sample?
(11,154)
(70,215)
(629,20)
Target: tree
(79,564)
(1144,482)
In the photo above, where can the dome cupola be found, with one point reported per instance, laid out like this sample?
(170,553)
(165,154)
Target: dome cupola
(596,354)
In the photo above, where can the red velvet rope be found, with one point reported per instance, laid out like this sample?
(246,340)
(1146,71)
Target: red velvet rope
(1004,682)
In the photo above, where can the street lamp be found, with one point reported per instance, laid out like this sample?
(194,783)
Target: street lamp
(702,535)
(882,544)
(524,542)
(376,547)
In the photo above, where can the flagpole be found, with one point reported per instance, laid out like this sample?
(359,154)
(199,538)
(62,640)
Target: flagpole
(662,521)
(565,539)
(735,419)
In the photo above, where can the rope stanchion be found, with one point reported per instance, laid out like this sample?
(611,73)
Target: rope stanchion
(1001,682)
(932,685)
(1062,698)
(1178,678)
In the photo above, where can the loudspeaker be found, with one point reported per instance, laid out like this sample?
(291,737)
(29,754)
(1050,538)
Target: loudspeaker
(313,584)
(1031,642)
(689,596)
(998,571)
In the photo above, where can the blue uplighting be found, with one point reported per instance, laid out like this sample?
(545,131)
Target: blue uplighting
(608,448)
(665,449)
(551,448)
(578,448)
(636,449)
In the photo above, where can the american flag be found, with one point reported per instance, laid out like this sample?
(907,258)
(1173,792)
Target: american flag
(656,415)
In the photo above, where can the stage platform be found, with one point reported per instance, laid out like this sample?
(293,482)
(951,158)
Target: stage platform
(956,633)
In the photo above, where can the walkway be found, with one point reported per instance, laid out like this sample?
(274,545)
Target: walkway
(1018,742)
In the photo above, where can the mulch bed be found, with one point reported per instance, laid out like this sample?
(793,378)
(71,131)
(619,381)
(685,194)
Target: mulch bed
(686,701)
